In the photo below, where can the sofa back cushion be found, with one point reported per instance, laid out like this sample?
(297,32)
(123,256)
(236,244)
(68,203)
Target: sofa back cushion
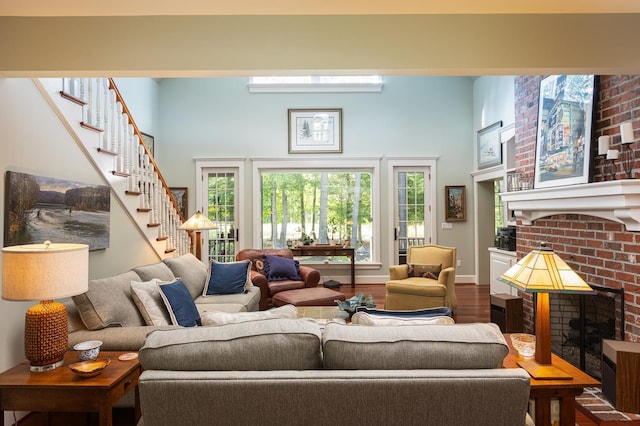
(157,270)
(108,302)
(455,346)
(271,344)
(190,270)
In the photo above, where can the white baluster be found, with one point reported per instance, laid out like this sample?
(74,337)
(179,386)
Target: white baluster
(106,112)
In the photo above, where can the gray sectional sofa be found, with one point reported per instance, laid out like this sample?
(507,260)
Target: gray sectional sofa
(291,372)
(108,312)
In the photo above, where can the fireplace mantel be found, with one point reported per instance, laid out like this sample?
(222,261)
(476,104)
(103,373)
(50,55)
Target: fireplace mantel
(615,200)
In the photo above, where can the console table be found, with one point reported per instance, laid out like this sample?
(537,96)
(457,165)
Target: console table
(542,391)
(62,390)
(328,250)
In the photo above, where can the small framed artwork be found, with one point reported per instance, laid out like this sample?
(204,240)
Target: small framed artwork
(455,201)
(489,147)
(148,141)
(313,131)
(181,196)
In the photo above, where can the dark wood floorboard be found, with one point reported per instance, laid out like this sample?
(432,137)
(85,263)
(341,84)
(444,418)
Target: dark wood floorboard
(473,306)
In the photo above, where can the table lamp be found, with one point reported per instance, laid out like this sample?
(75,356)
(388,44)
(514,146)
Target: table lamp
(45,272)
(196,223)
(543,272)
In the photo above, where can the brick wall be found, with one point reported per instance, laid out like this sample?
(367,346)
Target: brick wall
(601,251)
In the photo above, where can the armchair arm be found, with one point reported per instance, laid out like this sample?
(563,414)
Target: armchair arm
(260,281)
(447,278)
(398,272)
(310,276)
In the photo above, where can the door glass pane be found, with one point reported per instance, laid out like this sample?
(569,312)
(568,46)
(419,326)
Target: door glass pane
(410,211)
(221,211)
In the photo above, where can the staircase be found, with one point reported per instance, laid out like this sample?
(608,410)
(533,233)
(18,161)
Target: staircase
(96,116)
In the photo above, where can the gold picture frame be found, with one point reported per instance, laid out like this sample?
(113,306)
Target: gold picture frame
(455,203)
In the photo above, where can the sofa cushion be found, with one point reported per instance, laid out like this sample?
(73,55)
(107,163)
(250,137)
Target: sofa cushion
(221,318)
(455,346)
(191,271)
(279,268)
(272,344)
(250,300)
(146,296)
(228,278)
(363,318)
(108,302)
(154,270)
(179,303)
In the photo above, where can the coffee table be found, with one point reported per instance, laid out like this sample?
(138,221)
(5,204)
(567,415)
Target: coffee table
(318,312)
(63,390)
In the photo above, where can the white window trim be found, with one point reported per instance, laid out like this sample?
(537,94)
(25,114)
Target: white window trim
(370,164)
(426,162)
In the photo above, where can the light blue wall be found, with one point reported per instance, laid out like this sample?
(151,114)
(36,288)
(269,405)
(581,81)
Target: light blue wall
(411,117)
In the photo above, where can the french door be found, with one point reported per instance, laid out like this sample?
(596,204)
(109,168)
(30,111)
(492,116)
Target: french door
(220,191)
(412,209)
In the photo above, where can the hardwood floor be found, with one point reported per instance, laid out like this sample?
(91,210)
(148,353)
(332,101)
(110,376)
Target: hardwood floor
(473,306)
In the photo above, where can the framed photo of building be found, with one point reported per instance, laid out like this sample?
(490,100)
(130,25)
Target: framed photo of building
(455,202)
(563,143)
(313,131)
(489,148)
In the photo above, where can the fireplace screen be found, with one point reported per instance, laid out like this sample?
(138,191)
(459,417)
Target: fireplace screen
(580,322)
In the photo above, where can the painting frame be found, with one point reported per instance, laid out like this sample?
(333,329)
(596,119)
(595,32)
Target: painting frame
(564,153)
(181,195)
(315,131)
(489,146)
(149,142)
(39,208)
(455,197)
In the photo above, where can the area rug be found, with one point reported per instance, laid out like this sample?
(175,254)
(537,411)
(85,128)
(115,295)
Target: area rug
(595,406)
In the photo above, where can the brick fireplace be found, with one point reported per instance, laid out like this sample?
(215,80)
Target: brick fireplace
(599,246)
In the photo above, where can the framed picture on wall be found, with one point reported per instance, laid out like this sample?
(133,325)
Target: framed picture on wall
(489,148)
(181,195)
(563,143)
(455,202)
(315,131)
(148,141)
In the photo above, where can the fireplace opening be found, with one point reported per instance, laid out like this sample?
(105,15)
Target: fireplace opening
(580,322)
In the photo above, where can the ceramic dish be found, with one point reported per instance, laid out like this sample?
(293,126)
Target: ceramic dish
(89,368)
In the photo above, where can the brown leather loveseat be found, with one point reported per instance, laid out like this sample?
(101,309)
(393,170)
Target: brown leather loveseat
(309,277)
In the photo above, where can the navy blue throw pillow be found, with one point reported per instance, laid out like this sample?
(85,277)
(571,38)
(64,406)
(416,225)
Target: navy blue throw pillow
(179,303)
(281,268)
(227,278)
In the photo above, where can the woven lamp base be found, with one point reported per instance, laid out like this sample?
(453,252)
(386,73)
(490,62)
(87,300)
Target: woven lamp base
(46,335)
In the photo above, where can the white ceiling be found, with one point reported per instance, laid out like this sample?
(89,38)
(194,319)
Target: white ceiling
(306,7)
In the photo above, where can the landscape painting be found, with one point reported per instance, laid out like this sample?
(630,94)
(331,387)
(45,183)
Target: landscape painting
(41,208)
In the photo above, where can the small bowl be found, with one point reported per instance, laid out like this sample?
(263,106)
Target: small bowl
(524,343)
(89,350)
(89,368)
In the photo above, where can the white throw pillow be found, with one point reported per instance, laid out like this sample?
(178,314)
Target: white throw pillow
(364,318)
(146,296)
(222,318)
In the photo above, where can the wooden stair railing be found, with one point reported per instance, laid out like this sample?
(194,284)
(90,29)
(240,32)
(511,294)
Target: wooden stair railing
(105,112)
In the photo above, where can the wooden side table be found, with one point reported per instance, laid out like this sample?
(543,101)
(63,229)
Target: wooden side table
(542,391)
(63,390)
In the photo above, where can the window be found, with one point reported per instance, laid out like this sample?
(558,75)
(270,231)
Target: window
(300,84)
(318,205)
